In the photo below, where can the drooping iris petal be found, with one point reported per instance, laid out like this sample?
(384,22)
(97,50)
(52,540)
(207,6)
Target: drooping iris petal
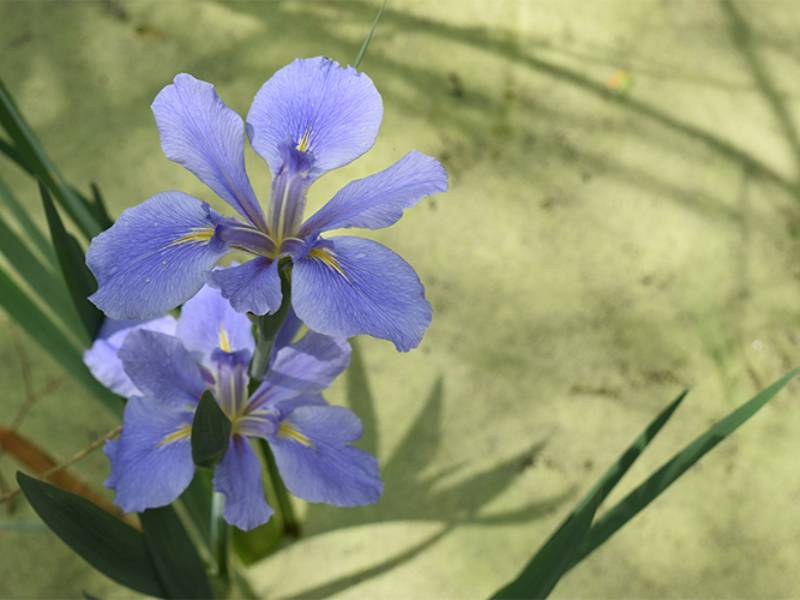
(199,132)
(266,409)
(316,462)
(252,287)
(238,476)
(151,462)
(316,106)
(208,322)
(354,286)
(379,200)
(102,359)
(308,366)
(154,257)
(162,369)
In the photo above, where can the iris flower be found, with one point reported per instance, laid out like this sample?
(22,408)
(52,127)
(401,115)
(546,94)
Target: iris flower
(211,345)
(311,117)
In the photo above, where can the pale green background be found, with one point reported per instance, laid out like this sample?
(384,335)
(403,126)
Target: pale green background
(598,250)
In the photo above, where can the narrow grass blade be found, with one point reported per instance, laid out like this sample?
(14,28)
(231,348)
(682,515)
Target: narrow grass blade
(30,152)
(115,549)
(363,50)
(549,564)
(41,329)
(77,276)
(659,481)
(11,152)
(98,203)
(30,229)
(175,557)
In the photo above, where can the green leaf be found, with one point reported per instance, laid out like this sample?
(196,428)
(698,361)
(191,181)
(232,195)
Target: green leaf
(363,50)
(47,286)
(175,557)
(41,328)
(115,549)
(659,481)
(211,431)
(99,206)
(79,279)
(549,564)
(11,152)
(29,151)
(22,216)
(267,326)
(196,500)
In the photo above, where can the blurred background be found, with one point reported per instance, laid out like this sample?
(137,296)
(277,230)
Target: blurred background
(623,221)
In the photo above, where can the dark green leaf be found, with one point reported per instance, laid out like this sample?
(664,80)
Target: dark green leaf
(109,545)
(41,328)
(30,153)
(211,431)
(11,152)
(268,326)
(78,277)
(22,216)
(659,481)
(549,564)
(99,206)
(175,557)
(363,50)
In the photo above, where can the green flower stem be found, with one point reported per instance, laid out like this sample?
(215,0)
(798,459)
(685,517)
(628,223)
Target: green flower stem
(291,526)
(219,539)
(267,327)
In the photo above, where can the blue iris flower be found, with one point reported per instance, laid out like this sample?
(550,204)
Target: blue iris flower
(165,365)
(311,117)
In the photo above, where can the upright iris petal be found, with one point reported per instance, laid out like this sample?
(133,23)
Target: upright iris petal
(310,117)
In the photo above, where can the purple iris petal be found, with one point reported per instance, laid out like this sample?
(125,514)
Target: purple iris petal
(252,287)
(333,113)
(102,359)
(151,462)
(238,476)
(316,462)
(201,133)
(208,322)
(154,257)
(362,287)
(307,366)
(162,368)
(379,200)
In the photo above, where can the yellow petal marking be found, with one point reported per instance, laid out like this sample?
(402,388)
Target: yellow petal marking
(197,234)
(181,433)
(328,258)
(302,145)
(290,432)
(224,340)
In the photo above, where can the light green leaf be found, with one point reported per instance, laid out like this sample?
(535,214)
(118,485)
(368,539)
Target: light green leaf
(41,328)
(30,152)
(29,228)
(363,50)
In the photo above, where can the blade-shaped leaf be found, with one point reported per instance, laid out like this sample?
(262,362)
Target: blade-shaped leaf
(211,431)
(174,555)
(30,152)
(363,50)
(196,500)
(29,228)
(41,328)
(78,277)
(109,545)
(98,203)
(49,287)
(11,152)
(659,481)
(549,564)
